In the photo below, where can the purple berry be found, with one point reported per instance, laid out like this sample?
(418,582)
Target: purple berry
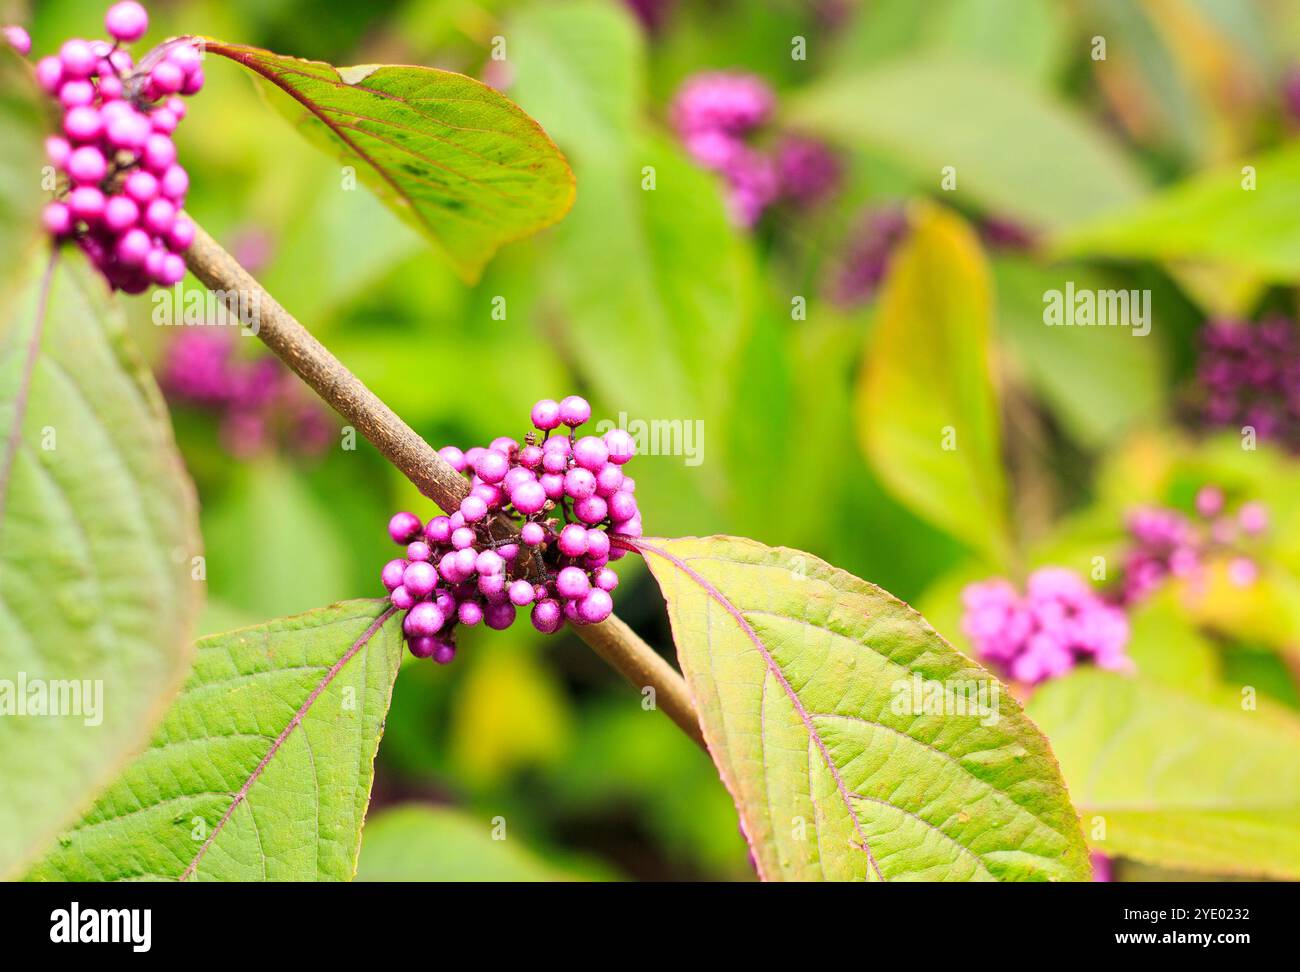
(424,620)
(470,613)
(546,415)
(529,498)
(590,453)
(423,647)
(402,599)
(606,579)
(126,21)
(609,479)
(171,271)
(75,94)
(159,153)
(160,216)
(530,457)
(181,236)
(83,124)
(622,506)
(572,582)
(86,202)
(489,562)
(120,213)
(553,485)
(444,653)
(404,527)
(574,411)
(473,509)
(77,58)
(439,530)
(621,446)
(57,218)
(132,247)
(462,538)
(419,578)
(49,74)
(591,510)
(547,616)
(579,483)
(521,593)
(453,457)
(141,186)
(595,606)
(573,541)
(18,39)
(492,466)
(499,616)
(166,78)
(597,543)
(533,534)
(392,574)
(418,550)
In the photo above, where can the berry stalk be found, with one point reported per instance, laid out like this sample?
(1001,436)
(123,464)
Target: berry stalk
(343,391)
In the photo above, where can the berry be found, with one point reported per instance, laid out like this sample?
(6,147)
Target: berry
(546,415)
(574,411)
(404,527)
(558,568)
(126,21)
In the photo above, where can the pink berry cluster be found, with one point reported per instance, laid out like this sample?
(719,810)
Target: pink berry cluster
(1054,625)
(122,189)
(258,402)
(567,494)
(717,113)
(1165,543)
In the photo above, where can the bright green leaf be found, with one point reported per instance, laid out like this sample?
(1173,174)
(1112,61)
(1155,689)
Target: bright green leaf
(1014,151)
(261,771)
(453,157)
(1174,780)
(98,525)
(1212,216)
(803,677)
(927,410)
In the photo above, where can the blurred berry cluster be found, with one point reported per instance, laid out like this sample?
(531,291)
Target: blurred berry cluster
(1249,375)
(121,189)
(1043,633)
(716,115)
(566,494)
(259,404)
(1165,543)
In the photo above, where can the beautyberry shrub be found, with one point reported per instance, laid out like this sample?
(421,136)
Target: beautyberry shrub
(537,531)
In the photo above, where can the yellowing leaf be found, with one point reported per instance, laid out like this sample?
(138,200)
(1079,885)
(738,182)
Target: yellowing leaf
(856,743)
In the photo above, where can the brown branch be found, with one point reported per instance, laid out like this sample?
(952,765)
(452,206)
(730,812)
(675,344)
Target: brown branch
(343,391)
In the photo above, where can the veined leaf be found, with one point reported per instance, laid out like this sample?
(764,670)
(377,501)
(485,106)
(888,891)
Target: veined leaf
(261,771)
(1211,216)
(450,155)
(1014,151)
(927,410)
(1174,780)
(98,525)
(807,681)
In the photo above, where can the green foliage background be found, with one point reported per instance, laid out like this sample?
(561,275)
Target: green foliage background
(652,304)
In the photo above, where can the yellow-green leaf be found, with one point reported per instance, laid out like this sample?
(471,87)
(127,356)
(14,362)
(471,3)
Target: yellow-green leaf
(806,682)
(927,408)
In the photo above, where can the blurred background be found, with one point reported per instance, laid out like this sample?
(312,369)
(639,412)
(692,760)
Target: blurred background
(749,297)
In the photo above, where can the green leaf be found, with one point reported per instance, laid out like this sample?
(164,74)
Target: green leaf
(926,407)
(22,159)
(1177,781)
(453,157)
(1098,381)
(651,288)
(1015,151)
(261,771)
(1209,217)
(416,843)
(98,525)
(803,675)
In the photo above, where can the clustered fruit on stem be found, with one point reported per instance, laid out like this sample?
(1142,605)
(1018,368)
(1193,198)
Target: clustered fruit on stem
(567,496)
(121,189)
